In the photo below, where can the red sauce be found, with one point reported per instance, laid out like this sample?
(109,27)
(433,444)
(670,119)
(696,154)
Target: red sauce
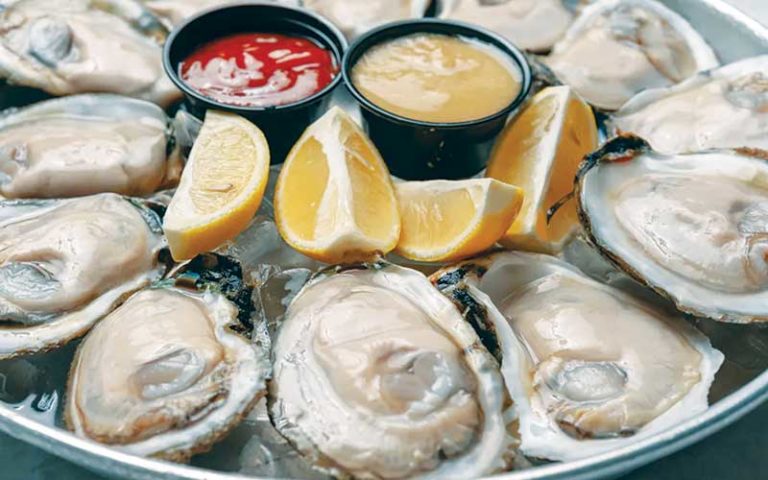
(259,69)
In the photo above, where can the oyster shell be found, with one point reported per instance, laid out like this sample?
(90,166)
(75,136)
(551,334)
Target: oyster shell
(694,227)
(66,263)
(534,25)
(376,375)
(726,107)
(173,12)
(167,373)
(85,144)
(617,48)
(590,368)
(77,46)
(354,17)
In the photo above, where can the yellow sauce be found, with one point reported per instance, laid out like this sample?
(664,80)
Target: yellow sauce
(437,78)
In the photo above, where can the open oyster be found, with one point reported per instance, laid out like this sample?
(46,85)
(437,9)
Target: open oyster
(85,144)
(173,12)
(65,263)
(354,17)
(586,364)
(77,46)
(171,370)
(693,227)
(376,375)
(726,107)
(533,25)
(617,48)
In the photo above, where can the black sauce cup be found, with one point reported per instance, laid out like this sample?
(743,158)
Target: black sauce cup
(281,124)
(419,150)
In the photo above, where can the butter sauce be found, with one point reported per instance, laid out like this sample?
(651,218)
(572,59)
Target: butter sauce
(438,78)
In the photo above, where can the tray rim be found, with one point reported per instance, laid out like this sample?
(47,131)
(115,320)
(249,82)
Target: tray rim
(112,462)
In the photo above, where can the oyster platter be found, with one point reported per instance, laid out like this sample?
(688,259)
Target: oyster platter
(383,239)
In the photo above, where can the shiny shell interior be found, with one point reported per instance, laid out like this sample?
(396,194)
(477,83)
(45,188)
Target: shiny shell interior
(693,227)
(723,108)
(617,48)
(83,145)
(376,375)
(590,368)
(165,395)
(66,263)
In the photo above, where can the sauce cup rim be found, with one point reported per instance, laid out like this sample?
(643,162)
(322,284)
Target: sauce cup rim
(424,25)
(338,36)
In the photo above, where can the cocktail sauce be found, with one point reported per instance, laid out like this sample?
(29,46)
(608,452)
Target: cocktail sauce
(259,69)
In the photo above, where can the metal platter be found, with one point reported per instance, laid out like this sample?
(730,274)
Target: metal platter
(741,385)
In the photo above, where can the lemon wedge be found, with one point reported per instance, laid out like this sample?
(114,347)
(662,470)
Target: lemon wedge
(334,199)
(540,151)
(221,187)
(449,220)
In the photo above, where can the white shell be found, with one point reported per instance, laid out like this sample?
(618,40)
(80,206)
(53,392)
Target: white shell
(376,375)
(163,375)
(354,17)
(80,46)
(617,48)
(610,377)
(722,108)
(174,12)
(694,227)
(65,264)
(82,145)
(534,25)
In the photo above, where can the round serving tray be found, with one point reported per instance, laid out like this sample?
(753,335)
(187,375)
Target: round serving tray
(744,385)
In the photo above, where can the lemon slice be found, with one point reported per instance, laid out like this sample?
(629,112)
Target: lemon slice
(334,199)
(221,187)
(540,151)
(444,220)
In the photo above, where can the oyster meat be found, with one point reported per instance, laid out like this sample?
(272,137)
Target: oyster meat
(166,374)
(534,25)
(589,367)
(85,144)
(65,263)
(722,108)
(617,48)
(376,375)
(77,46)
(354,17)
(173,12)
(694,227)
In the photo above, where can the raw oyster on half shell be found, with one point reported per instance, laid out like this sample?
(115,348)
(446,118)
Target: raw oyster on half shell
(617,48)
(172,370)
(354,17)
(722,108)
(376,375)
(66,263)
(534,25)
(79,46)
(83,145)
(694,227)
(589,367)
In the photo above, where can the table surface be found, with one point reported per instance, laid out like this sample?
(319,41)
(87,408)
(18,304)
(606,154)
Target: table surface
(740,452)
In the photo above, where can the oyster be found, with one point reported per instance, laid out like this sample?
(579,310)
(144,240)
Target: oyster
(354,17)
(66,263)
(77,46)
(726,107)
(85,144)
(376,375)
(534,25)
(587,365)
(693,227)
(173,12)
(617,48)
(170,371)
